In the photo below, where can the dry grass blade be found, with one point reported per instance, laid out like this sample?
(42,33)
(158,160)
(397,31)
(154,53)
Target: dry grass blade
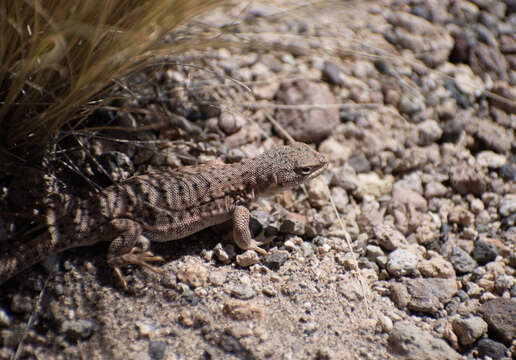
(56,55)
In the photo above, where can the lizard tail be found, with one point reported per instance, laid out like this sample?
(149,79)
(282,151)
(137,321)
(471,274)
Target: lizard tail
(21,255)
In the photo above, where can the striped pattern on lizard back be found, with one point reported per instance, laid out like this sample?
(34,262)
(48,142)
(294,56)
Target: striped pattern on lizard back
(173,204)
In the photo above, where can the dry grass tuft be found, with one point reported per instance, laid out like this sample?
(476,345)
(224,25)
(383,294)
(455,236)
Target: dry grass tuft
(56,56)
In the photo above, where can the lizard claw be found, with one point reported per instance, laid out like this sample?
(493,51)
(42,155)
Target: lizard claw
(138,258)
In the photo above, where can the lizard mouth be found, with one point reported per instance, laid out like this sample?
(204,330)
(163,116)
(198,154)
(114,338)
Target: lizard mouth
(318,170)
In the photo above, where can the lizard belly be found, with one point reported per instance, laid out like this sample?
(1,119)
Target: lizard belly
(178,230)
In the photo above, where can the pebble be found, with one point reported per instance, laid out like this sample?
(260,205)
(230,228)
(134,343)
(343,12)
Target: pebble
(429,295)
(507,172)
(469,330)
(242,291)
(484,251)
(435,189)
(465,179)
(436,266)
(337,151)
(388,237)
(401,262)
(307,125)
(345,177)
(500,314)
(407,207)
(157,349)
(242,310)
(429,131)
(410,342)
(230,122)
(493,349)
(248,258)
(371,184)
(5,320)
(193,274)
(491,159)
(77,329)
(331,73)
(318,194)
(275,259)
(507,205)
(293,223)
(462,262)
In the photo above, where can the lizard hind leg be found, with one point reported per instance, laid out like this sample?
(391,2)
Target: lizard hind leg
(122,250)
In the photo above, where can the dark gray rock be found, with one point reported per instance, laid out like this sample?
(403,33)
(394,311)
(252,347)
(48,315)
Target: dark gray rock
(274,260)
(500,314)
(462,262)
(157,349)
(484,252)
(491,348)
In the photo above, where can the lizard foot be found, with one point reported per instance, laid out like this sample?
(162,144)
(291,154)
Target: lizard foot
(138,258)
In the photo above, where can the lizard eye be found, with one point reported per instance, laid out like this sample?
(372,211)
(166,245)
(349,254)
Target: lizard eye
(306,170)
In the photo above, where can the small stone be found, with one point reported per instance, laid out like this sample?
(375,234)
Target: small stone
(436,266)
(500,314)
(388,237)
(269,291)
(230,122)
(493,349)
(242,310)
(5,320)
(144,330)
(429,295)
(336,151)
(401,262)
(331,73)
(503,283)
(508,205)
(217,278)
(318,194)
(371,184)
(248,258)
(374,252)
(469,330)
(293,223)
(274,260)
(242,291)
(491,159)
(157,349)
(462,262)
(435,189)
(224,253)
(193,274)
(77,329)
(484,251)
(407,207)
(314,123)
(465,179)
(429,132)
(359,163)
(345,177)
(409,342)
(385,323)
(507,172)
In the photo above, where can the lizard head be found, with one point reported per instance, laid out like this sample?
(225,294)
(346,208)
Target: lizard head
(290,165)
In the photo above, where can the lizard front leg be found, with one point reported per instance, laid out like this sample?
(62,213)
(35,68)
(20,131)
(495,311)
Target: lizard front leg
(122,249)
(241,234)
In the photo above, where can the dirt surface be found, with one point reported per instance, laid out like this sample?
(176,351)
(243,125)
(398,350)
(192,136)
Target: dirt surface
(413,101)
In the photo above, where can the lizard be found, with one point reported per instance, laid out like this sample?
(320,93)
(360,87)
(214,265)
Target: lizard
(165,205)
